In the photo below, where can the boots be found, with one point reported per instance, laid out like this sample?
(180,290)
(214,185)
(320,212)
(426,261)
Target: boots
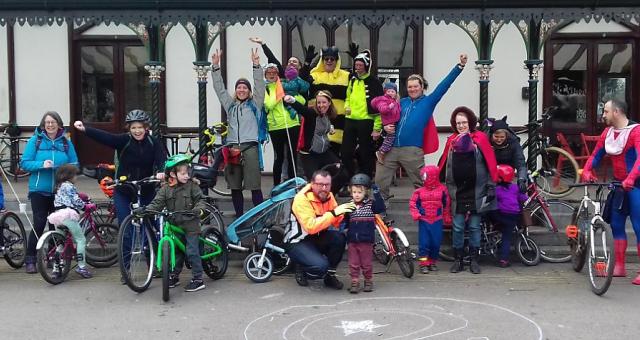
(474,267)
(619,249)
(301,277)
(458,264)
(636,281)
(30,264)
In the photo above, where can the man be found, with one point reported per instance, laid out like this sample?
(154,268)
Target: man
(312,246)
(415,132)
(621,142)
(362,119)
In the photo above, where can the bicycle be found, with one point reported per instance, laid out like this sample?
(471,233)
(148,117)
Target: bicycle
(545,220)
(13,239)
(392,245)
(10,146)
(591,239)
(56,249)
(210,163)
(558,169)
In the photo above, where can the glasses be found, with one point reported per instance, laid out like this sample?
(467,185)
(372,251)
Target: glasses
(462,123)
(329,59)
(50,122)
(322,185)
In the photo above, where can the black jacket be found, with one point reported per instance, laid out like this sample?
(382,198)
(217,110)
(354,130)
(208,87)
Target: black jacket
(510,153)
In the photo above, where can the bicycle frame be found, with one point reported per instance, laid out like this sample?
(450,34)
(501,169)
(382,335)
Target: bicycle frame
(536,197)
(385,232)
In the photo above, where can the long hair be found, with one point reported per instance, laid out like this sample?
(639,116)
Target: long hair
(53,115)
(331,111)
(65,173)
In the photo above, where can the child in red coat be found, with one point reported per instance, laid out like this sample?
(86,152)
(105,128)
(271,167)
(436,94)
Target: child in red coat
(389,108)
(429,205)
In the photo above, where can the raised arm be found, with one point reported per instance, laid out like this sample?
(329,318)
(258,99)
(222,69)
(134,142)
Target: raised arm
(271,58)
(258,79)
(445,84)
(218,83)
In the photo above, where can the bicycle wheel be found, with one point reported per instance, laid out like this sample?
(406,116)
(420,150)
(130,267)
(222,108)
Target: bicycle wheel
(578,245)
(559,169)
(15,239)
(215,268)
(166,262)
(256,272)
(52,262)
(380,251)
(554,245)
(527,250)
(403,256)
(601,257)
(10,168)
(104,213)
(102,245)
(212,218)
(135,252)
(281,261)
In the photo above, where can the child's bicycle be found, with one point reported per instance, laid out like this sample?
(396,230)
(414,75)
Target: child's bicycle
(56,249)
(392,245)
(211,246)
(13,239)
(591,238)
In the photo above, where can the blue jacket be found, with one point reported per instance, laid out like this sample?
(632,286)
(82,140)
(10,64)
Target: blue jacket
(42,179)
(416,113)
(361,224)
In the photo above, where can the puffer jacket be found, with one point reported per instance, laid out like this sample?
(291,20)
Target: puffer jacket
(177,197)
(42,179)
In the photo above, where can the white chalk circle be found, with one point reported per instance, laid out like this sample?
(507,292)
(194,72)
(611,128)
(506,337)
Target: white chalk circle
(395,318)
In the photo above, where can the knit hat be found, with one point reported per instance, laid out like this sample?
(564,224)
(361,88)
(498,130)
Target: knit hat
(498,124)
(390,86)
(291,73)
(365,57)
(244,81)
(463,143)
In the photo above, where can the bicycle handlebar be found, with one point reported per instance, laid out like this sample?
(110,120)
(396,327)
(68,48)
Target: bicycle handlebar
(171,213)
(123,181)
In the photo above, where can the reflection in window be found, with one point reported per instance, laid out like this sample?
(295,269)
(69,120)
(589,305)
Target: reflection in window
(98,97)
(395,53)
(311,34)
(348,33)
(137,94)
(614,58)
(569,86)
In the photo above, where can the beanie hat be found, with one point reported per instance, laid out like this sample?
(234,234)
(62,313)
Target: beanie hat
(291,73)
(390,86)
(244,81)
(365,57)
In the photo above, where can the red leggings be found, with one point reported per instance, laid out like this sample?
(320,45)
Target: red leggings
(360,258)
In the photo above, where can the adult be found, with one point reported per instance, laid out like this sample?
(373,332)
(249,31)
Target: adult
(314,147)
(138,155)
(282,121)
(362,121)
(507,149)
(410,145)
(621,142)
(45,152)
(243,117)
(470,170)
(311,244)
(328,76)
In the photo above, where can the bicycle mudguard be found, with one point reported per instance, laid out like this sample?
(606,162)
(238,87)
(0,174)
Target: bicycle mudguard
(402,236)
(44,236)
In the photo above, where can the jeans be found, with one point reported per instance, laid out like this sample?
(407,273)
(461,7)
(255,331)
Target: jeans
(193,254)
(429,239)
(458,230)
(316,254)
(507,223)
(122,202)
(41,206)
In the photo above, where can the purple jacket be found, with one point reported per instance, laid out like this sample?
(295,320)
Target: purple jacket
(510,199)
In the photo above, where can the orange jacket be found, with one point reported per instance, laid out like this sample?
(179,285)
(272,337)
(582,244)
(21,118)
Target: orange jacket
(313,215)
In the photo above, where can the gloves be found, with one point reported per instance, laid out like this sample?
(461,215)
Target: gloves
(90,207)
(522,185)
(353,50)
(83,196)
(392,106)
(309,54)
(139,211)
(344,209)
(588,176)
(374,188)
(628,184)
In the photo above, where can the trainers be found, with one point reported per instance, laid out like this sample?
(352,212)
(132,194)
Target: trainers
(301,278)
(503,264)
(424,269)
(368,286)
(355,287)
(380,157)
(331,281)
(84,272)
(433,267)
(174,281)
(194,286)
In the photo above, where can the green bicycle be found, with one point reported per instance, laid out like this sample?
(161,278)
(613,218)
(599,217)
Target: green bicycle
(213,249)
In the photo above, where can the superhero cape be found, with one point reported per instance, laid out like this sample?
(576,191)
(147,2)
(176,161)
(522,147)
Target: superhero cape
(430,142)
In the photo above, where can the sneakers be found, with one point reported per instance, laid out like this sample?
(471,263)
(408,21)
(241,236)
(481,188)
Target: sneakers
(355,287)
(368,286)
(301,278)
(84,272)
(194,286)
(424,269)
(380,157)
(30,264)
(504,264)
(331,281)
(433,267)
(174,281)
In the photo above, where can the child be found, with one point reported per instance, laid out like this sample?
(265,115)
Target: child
(67,203)
(360,225)
(295,87)
(178,194)
(429,205)
(510,201)
(389,108)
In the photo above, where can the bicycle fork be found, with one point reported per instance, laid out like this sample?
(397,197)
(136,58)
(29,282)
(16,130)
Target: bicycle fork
(172,247)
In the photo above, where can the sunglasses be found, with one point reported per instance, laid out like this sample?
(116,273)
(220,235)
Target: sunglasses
(329,59)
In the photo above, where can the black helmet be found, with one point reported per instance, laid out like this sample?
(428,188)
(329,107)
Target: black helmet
(361,179)
(137,116)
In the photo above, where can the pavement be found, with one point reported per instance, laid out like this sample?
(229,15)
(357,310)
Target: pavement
(548,301)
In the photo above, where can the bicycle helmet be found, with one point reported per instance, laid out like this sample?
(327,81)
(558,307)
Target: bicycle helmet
(105,186)
(175,160)
(361,179)
(137,116)
(505,173)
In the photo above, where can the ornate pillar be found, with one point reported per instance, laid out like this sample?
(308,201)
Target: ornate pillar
(484,67)
(155,69)
(202,69)
(534,66)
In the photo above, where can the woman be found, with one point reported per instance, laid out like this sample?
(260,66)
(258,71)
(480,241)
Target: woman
(243,115)
(314,146)
(506,146)
(138,155)
(46,150)
(469,167)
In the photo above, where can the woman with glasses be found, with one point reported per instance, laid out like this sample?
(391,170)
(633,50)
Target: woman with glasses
(45,152)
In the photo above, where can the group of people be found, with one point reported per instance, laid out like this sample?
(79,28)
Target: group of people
(346,111)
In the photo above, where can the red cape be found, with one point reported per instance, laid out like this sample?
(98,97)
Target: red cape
(482,141)
(430,142)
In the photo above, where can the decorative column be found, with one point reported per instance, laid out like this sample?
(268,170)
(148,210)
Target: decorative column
(202,69)
(483,67)
(534,66)
(155,69)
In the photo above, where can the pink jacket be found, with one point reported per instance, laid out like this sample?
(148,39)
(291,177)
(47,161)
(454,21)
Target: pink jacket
(388,116)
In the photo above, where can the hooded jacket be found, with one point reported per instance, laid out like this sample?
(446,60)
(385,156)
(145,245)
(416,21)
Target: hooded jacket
(431,202)
(180,197)
(42,180)
(311,216)
(510,152)
(360,91)
(278,117)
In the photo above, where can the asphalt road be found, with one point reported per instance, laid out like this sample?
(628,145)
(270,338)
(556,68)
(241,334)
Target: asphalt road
(544,302)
